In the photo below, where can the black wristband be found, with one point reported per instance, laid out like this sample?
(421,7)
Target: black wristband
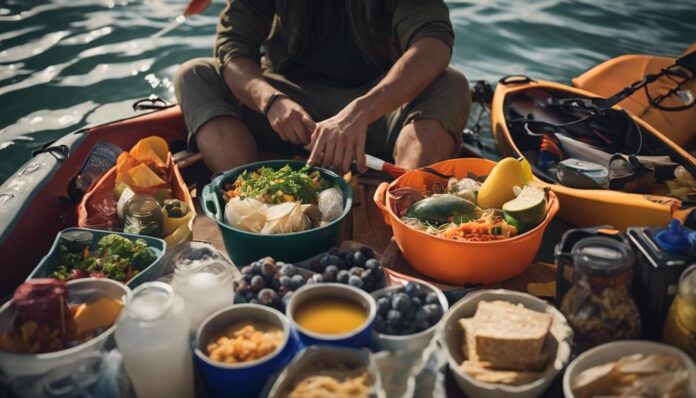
(270,102)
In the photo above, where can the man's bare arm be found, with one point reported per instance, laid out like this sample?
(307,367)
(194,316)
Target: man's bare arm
(340,139)
(244,78)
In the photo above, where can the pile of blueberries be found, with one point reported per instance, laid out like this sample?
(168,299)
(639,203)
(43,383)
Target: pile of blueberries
(357,268)
(407,310)
(269,283)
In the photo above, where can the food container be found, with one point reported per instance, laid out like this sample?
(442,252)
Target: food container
(248,378)
(451,340)
(80,291)
(244,247)
(308,359)
(51,261)
(411,342)
(612,351)
(459,262)
(356,338)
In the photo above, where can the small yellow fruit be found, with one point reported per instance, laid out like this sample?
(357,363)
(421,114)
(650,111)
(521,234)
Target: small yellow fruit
(497,189)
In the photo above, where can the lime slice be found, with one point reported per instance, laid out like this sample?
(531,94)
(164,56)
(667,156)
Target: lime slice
(528,209)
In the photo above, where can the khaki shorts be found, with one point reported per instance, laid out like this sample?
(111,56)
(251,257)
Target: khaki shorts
(203,95)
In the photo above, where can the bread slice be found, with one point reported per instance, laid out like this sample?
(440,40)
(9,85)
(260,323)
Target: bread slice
(469,339)
(509,336)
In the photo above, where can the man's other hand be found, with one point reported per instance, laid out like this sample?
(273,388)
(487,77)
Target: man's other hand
(290,121)
(339,140)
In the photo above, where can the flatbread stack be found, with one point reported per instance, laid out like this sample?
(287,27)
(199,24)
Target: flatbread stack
(638,375)
(505,343)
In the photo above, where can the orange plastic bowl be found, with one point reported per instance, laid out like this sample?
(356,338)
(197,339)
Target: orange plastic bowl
(453,261)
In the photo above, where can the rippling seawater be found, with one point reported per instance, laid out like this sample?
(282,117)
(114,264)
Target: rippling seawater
(68,63)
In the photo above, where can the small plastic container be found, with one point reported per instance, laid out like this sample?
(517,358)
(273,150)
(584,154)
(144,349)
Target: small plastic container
(79,291)
(241,379)
(410,342)
(357,338)
(51,260)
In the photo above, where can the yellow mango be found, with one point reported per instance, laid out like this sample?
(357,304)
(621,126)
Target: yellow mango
(497,189)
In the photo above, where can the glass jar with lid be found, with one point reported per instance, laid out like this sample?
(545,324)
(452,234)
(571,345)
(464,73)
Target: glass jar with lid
(143,216)
(599,306)
(680,325)
(205,287)
(152,333)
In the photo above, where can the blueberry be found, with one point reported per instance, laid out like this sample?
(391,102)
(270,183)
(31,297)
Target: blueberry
(391,330)
(257,283)
(247,278)
(318,278)
(239,298)
(297,281)
(268,269)
(324,260)
(337,261)
(413,289)
(422,325)
(380,323)
(256,268)
(288,270)
(273,283)
(401,302)
(359,259)
(356,271)
(242,287)
(266,296)
(431,298)
(422,315)
(394,319)
(435,312)
(249,295)
(253,301)
(367,252)
(408,328)
(383,305)
(246,270)
(372,265)
(342,276)
(355,280)
(330,273)
(285,281)
(283,290)
(416,303)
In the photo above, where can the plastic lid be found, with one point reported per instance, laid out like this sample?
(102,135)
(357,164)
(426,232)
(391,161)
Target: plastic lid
(674,238)
(599,255)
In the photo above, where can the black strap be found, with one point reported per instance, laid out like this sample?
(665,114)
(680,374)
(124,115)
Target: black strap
(270,102)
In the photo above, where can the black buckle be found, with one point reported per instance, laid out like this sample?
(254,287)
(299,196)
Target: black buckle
(516,79)
(152,102)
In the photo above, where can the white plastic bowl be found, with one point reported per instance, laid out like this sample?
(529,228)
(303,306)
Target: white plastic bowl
(79,291)
(451,341)
(612,351)
(410,342)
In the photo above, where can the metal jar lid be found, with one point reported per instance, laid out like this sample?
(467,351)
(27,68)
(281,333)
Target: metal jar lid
(602,256)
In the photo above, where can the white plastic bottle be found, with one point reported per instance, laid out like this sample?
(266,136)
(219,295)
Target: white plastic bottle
(152,333)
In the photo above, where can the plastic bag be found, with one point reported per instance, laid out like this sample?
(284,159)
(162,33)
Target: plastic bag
(246,214)
(284,218)
(330,204)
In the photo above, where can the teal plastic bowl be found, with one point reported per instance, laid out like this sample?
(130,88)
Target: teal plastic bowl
(244,247)
(50,262)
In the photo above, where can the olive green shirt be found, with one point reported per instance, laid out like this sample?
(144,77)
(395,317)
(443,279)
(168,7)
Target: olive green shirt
(381,30)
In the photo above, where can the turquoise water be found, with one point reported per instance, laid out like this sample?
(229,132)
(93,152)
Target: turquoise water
(68,63)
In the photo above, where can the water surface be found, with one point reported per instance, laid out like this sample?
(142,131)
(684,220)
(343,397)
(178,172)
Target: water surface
(68,63)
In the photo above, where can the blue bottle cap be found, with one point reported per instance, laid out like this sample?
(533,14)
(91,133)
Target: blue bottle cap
(674,238)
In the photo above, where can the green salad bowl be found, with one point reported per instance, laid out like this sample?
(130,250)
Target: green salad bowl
(244,247)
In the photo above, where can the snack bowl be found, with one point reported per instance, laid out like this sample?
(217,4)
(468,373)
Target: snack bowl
(360,337)
(246,378)
(312,358)
(613,351)
(410,342)
(451,340)
(79,291)
(244,247)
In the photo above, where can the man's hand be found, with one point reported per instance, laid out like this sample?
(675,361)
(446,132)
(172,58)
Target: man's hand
(340,139)
(290,121)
